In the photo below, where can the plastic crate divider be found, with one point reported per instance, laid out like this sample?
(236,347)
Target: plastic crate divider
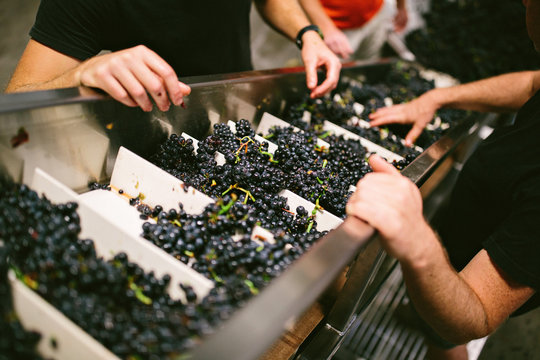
(138,177)
(115,227)
(123,234)
(258,231)
(219,157)
(324,219)
(365,125)
(37,314)
(370,146)
(269,121)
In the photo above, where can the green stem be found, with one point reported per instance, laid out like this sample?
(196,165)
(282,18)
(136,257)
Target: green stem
(226,208)
(326,134)
(271,156)
(139,294)
(251,287)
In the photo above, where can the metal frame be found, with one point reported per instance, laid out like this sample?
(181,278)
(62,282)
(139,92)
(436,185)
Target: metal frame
(219,98)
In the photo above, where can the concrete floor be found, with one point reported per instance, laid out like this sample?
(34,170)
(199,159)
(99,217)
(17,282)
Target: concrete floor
(16,19)
(518,339)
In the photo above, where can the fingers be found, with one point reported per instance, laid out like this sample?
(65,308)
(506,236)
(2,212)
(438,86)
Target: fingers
(129,76)
(151,83)
(378,164)
(413,134)
(339,44)
(372,201)
(381,196)
(311,75)
(332,77)
(133,86)
(388,115)
(173,87)
(415,112)
(112,87)
(100,77)
(316,54)
(346,48)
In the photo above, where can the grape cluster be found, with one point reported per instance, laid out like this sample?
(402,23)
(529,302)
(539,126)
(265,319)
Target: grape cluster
(15,341)
(125,308)
(217,242)
(474,39)
(402,83)
(320,174)
(316,173)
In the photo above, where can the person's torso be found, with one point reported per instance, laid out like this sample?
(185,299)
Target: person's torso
(194,37)
(350,14)
(503,171)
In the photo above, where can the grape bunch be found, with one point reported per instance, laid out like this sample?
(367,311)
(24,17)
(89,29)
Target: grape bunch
(359,98)
(125,308)
(217,242)
(474,39)
(15,341)
(316,173)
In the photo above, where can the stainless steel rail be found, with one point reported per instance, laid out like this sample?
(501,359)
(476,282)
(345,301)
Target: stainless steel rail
(245,336)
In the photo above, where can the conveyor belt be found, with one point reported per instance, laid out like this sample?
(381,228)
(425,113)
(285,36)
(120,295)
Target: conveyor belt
(379,334)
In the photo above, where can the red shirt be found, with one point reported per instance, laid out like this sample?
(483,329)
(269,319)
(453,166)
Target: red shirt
(350,14)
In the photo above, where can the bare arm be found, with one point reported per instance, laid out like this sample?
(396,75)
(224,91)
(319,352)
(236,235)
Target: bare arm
(499,94)
(402,18)
(333,37)
(287,17)
(127,75)
(42,68)
(459,306)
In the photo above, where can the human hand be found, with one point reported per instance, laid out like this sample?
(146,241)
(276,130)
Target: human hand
(401,19)
(392,204)
(418,112)
(316,54)
(337,41)
(130,75)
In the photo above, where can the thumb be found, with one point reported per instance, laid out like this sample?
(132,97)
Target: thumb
(378,164)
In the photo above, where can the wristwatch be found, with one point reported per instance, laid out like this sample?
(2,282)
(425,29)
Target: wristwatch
(299,41)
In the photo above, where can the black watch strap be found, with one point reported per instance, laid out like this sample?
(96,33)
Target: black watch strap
(302,31)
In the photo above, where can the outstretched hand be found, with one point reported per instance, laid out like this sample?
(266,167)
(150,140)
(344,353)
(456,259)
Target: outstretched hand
(401,19)
(315,55)
(338,42)
(392,204)
(419,112)
(130,75)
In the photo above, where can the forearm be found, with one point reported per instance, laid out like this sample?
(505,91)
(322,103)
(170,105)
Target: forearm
(318,16)
(400,4)
(287,17)
(498,94)
(441,296)
(41,68)
(65,80)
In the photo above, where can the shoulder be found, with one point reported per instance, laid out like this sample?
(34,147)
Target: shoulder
(73,27)
(72,8)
